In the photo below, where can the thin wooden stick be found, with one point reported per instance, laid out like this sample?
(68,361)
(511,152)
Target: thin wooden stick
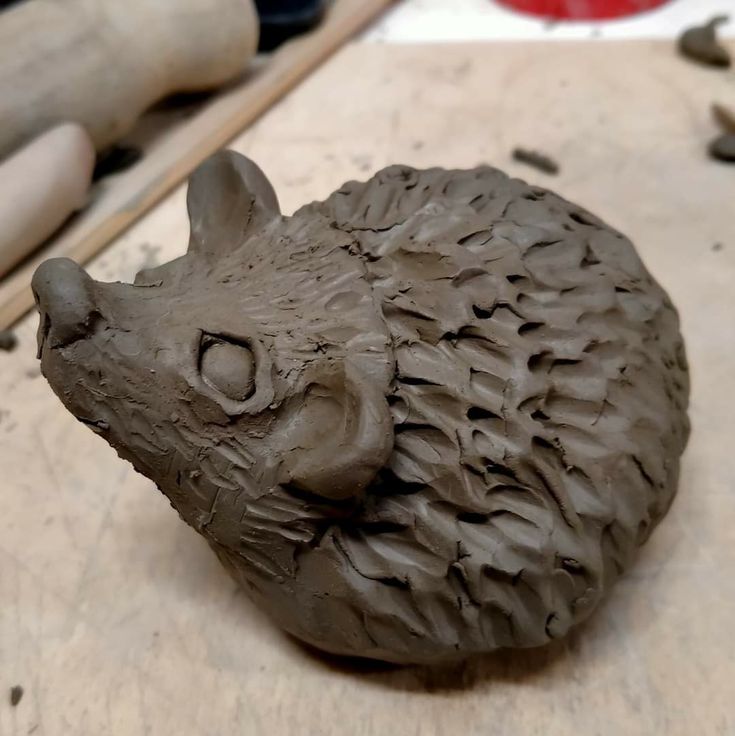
(170,162)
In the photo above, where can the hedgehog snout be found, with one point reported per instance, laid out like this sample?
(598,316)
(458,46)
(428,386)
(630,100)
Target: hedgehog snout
(64,294)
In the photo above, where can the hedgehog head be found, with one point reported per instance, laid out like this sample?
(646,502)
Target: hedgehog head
(257,360)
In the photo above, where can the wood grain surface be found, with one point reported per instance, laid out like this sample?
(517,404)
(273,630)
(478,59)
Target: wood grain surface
(117,619)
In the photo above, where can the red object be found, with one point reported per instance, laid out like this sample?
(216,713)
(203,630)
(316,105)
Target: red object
(582,9)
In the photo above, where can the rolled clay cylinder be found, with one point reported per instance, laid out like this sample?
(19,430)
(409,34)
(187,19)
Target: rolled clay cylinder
(101,63)
(40,186)
(433,415)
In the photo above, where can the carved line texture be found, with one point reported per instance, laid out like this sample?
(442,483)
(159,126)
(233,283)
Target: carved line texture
(540,410)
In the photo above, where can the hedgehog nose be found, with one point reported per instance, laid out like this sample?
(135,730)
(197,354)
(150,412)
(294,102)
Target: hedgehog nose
(64,294)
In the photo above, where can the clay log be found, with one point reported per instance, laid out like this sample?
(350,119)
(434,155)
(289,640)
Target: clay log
(101,63)
(40,186)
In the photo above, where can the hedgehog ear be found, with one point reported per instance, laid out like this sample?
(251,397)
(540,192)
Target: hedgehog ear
(228,198)
(340,435)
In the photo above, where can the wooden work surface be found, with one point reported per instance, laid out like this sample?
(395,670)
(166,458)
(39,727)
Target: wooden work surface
(117,619)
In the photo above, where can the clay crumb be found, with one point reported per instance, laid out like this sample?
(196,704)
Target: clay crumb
(722,148)
(700,44)
(8,340)
(716,247)
(538,160)
(724,117)
(16,695)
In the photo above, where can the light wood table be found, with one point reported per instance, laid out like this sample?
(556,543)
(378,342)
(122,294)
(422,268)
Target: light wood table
(117,619)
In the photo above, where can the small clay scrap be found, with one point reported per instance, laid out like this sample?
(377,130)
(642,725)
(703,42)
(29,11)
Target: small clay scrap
(8,340)
(538,160)
(434,415)
(724,116)
(16,695)
(722,148)
(700,44)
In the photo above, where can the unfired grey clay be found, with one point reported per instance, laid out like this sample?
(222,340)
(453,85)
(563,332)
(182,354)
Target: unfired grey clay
(433,415)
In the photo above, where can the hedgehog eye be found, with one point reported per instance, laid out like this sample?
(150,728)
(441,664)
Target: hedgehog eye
(227,367)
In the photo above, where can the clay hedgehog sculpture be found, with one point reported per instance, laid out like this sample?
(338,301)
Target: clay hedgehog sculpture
(433,415)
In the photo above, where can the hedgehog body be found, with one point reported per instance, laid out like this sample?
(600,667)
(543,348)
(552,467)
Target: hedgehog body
(460,411)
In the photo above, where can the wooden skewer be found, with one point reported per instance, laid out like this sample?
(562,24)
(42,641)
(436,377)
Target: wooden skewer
(137,190)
